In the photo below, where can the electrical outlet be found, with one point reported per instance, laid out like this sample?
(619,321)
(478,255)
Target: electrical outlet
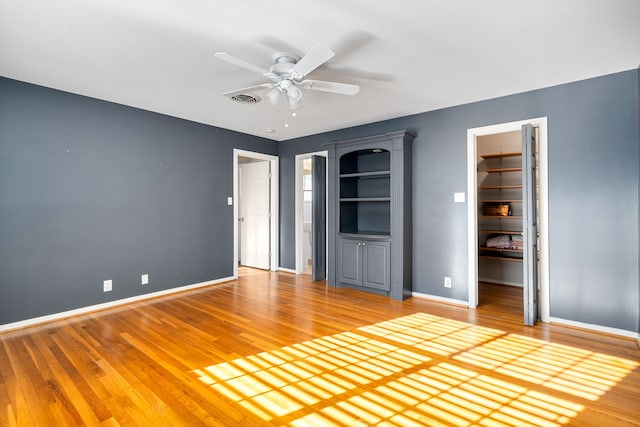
(447,282)
(107,286)
(144,279)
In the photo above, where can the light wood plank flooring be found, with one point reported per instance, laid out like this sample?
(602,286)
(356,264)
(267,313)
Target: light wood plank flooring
(277,349)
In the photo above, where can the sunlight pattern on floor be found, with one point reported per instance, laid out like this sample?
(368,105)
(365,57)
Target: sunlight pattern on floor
(421,370)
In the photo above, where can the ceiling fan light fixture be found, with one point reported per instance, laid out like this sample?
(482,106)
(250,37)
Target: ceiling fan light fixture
(294,105)
(295,95)
(274,96)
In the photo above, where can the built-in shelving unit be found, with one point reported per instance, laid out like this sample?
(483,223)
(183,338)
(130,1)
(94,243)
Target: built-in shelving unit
(501,185)
(365,192)
(370,214)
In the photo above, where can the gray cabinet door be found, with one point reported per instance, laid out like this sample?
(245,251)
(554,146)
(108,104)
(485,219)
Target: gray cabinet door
(349,260)
(376,265)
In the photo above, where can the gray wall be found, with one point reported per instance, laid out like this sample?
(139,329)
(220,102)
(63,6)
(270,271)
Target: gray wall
(593,193)
(91,190)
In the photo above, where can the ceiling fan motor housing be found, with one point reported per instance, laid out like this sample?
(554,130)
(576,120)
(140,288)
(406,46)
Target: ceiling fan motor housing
(283,63)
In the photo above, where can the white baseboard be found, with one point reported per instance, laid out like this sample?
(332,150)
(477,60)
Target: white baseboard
(287,270)
(106,305)
(440,299)
(596,328)
(500,282)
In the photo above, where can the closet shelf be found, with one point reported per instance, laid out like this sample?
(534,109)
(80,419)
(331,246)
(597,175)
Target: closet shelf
(501,258)
(499,170)
(484,248)
(501,155)
(499,187)
(366,174)
(511,232)
(493,194)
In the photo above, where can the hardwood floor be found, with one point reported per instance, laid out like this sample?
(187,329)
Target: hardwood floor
(501,300)
(277,349)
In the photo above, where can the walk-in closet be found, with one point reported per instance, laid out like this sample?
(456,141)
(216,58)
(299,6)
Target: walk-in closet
(500,220)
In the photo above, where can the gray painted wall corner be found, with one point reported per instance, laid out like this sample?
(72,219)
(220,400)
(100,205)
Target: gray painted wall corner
(91,190)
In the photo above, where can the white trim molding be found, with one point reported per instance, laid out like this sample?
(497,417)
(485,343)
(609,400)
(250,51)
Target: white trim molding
(287,270)
(439,299)
(543,208)
(274,246)
(107,305)
(500,282)
(595,328)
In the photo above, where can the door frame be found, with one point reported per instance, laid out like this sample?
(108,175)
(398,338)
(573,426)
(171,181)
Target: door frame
(273,203)
(299,268)
(543,207)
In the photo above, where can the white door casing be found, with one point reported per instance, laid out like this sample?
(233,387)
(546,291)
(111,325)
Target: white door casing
(274,197)
(543,203)
(299,267)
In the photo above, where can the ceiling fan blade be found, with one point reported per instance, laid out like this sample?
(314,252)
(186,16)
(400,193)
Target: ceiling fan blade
(318,55)
(333,87)
(249,89)
(244,64)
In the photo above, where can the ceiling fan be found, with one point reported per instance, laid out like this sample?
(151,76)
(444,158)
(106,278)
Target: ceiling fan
(287,75)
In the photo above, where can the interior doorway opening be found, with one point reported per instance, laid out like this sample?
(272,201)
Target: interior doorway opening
(508,232)
(310,215)
(306,242)
(255,210)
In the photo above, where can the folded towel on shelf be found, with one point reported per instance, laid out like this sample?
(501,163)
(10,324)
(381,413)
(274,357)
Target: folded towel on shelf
(500,241)
(517,242)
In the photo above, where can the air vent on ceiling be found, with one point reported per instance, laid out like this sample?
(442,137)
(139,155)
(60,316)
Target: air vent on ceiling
(246,99)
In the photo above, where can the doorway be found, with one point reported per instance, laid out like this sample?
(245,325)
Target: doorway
(255,210)
(310,215)
(507,200)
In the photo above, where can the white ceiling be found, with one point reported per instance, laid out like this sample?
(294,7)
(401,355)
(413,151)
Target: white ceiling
(408,56)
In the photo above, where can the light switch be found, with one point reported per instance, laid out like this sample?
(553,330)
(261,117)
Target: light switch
(458,197)
(229,201)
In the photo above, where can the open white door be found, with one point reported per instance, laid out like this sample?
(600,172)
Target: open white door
(254,218)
